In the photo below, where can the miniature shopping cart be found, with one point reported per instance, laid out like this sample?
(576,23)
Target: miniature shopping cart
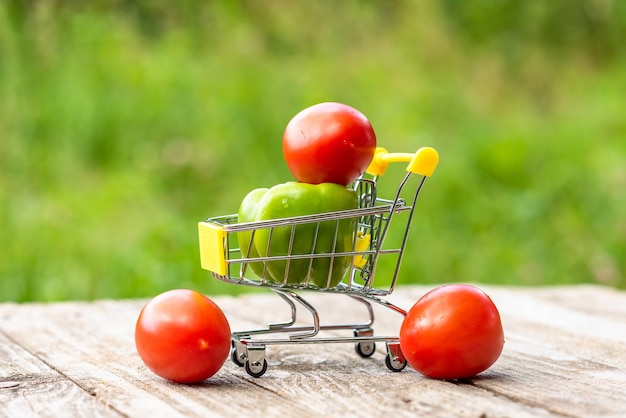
(220,253)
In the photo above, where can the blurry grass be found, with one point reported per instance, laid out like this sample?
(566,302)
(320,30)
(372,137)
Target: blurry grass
(122,126)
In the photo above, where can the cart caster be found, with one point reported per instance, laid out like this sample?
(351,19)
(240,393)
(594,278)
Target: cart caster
(234,356)
(255,364)
(394,360)
(395,364)
(256,369)
(364,349)
(238,353)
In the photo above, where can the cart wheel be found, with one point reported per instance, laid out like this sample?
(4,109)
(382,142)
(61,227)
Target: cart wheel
(256,369)
(395,365)
(365,349)
(234,356)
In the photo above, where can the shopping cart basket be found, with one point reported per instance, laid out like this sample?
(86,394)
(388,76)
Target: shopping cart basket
(220,253)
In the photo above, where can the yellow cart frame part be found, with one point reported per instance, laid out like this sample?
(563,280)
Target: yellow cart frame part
(213,247)
(422,162)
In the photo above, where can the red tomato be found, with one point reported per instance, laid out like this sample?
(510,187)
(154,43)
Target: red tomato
(452,332)
(183,336)
(328,143)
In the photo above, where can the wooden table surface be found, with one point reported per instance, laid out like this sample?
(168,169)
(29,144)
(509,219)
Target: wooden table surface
(564,356)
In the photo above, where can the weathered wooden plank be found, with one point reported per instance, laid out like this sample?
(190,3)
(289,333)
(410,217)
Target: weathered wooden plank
(30,388)
(564,349)
(553,352)
(16,361)
(93,346)
(37,397)
(560,359)
(316,367)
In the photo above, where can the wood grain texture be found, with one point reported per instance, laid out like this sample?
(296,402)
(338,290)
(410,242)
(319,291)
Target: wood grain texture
(563,357)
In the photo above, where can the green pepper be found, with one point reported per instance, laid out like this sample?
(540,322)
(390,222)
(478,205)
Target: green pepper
(296,199)
(247,211)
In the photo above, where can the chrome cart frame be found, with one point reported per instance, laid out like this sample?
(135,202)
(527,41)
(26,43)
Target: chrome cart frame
(220,253)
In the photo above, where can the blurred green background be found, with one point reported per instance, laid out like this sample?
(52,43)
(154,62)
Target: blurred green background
(123,123)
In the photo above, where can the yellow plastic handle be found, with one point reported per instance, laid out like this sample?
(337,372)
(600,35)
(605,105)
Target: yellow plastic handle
(423,162)
(362,244)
